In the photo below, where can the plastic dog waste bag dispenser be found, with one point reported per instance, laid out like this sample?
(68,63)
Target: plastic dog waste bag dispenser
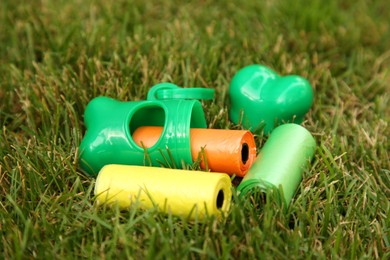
(110,125)
(139,133)
(260,98)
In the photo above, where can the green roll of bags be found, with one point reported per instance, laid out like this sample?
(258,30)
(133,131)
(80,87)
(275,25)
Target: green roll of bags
(281,162)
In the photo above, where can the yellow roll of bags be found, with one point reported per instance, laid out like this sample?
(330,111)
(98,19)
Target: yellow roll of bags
(179,192)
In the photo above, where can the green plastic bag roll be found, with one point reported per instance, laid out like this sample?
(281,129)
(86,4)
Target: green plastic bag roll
(281,162)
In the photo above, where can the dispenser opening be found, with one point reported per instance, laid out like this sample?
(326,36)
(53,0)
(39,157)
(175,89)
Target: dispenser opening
(147,125)
(244,153)
(220,199)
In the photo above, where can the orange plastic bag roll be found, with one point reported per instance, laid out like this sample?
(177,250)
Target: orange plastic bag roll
(228,151)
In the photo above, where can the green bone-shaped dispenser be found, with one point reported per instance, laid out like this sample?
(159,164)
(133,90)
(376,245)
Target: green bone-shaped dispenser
(262,98)
(110,124)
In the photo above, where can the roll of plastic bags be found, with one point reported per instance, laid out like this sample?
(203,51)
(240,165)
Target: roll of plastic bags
(280,163)
(186,193)
(228,151)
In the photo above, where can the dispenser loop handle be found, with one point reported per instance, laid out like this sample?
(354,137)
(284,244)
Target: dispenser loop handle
(169,91)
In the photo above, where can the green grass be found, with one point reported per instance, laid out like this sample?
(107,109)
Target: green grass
(55,56)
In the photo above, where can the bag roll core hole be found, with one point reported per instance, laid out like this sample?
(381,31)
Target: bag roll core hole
(244,153)
(220,199)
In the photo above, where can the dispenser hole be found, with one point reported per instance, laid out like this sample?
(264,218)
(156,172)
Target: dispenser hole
(220,199)
(147,116)
(244,153)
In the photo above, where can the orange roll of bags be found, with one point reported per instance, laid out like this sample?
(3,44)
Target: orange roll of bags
(228,151)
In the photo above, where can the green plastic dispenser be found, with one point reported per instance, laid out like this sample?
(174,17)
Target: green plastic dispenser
(110,125)
(260,98)
(280,163)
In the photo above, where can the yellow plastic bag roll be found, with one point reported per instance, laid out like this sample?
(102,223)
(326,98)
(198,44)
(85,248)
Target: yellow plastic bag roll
(179,192)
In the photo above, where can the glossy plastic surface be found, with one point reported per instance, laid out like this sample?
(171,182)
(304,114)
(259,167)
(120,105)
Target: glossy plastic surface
(281,162)
(165,91)
(228,151)
(186,193)
(260,97)
(110,125)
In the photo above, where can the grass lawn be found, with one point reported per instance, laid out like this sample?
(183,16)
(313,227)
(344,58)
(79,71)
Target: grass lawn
(55,56)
